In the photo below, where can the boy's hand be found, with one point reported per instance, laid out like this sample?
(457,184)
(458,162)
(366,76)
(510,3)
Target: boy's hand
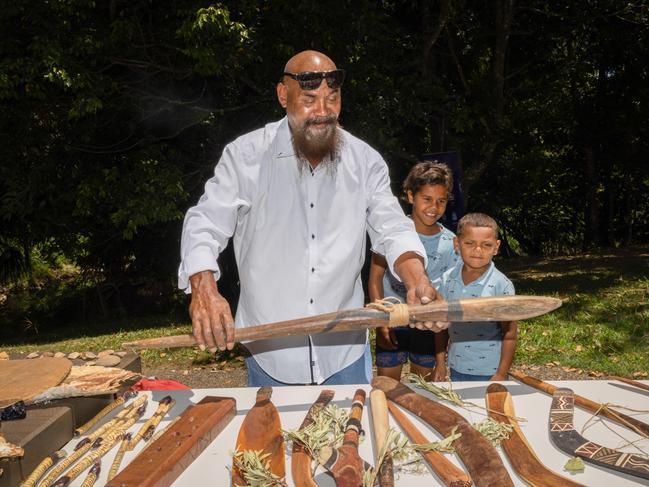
(439,374)
(386,339)
(499,376)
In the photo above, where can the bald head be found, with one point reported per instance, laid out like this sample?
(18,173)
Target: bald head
(309,61)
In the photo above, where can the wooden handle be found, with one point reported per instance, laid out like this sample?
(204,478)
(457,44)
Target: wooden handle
(500,308)
(447,472)
(595,407)
(381,424)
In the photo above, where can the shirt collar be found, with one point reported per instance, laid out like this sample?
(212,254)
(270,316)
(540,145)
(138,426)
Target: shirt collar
(283,140)
(456,275)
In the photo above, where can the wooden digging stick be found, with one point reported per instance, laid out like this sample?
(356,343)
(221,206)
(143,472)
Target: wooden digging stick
(519,452)
(447,472)
(301,457)
(381,425)
(261,430)
(499,308)
(631,382)
(160,464)
(345,464)
(477,453)
(633,424)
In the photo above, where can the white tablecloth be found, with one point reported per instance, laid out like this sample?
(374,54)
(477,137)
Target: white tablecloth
(212,466)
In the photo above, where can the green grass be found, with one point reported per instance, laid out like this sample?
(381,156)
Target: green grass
(602,326)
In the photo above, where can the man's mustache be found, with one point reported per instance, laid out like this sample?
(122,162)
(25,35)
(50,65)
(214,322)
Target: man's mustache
(327,119)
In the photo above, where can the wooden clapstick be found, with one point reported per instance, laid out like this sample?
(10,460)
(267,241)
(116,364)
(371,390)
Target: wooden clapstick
(495,308)
(442,466)
(381,424)
(176,449)
(519,452)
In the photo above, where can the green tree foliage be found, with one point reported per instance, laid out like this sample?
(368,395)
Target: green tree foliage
(114,113)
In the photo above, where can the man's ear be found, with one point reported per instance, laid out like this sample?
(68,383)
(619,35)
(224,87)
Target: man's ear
(282,94)
(456,245)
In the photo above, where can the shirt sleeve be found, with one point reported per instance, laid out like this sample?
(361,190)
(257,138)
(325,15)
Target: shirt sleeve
(391,232)
(209,225)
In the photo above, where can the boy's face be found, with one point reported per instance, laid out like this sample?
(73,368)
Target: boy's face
(477,246)
(428,206)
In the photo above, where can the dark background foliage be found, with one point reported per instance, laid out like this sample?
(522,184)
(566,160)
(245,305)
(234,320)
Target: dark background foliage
(113,115)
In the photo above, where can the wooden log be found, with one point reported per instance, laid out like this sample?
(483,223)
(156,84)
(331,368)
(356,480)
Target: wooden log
(261,430)
(381,425)
(447,472)
(478,455)
(300,456)
(519,452)
(568,440)
(176,449)
(633,424)
(497,308)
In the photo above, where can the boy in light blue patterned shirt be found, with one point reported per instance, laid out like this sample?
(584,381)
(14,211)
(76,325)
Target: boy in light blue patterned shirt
(427,188)
(478,350)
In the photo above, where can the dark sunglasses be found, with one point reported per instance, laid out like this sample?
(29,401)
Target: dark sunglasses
(310,80)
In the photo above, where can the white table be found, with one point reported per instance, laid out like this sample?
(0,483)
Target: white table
(212,466)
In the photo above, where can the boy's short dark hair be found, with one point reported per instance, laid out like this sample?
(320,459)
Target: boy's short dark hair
(428,172)
(476,220)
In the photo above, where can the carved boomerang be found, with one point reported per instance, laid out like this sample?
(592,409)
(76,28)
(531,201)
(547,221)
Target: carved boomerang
(498,308)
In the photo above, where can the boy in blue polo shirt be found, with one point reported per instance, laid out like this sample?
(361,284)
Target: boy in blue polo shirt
(478,350)
(427,188)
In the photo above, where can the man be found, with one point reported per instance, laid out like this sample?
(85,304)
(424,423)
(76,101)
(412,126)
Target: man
(298,196)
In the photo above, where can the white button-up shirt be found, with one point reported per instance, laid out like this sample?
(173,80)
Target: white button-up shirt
(299,241)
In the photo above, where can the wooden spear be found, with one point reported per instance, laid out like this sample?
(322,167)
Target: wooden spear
(499,308)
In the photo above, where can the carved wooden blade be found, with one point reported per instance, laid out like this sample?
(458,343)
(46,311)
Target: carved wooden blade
(300,457)
(595,407)
(261,430)
(478,455)
(448,473)
(498,308)
(565,437)
(168,456)
(519,452)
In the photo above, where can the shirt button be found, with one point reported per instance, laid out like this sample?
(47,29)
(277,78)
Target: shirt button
(311,301)
(311,205)
(312,237)
(312,269)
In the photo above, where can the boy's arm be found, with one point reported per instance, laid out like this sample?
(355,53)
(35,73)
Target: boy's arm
(384,337)
(508,350)
(441,344)
(378,265)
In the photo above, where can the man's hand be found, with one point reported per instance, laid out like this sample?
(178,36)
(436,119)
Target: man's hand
(385,338)
(419,289)
(212,322)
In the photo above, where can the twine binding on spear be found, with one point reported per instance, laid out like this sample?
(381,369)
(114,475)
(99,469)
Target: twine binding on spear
(398,311)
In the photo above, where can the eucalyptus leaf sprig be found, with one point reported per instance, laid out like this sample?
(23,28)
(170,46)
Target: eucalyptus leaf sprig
(494,431)
(255,469)
(448,394)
